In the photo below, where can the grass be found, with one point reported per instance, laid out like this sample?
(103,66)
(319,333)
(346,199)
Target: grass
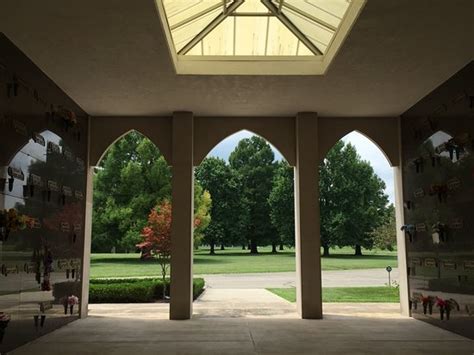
(347,294)
(235,260)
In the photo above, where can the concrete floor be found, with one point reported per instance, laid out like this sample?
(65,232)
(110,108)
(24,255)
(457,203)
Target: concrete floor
(229,322)
(331,278)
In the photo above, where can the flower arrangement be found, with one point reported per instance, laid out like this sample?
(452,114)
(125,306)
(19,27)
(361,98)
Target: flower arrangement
(12,221)
(427,302)
(442,305)
(69,117)
(70,301)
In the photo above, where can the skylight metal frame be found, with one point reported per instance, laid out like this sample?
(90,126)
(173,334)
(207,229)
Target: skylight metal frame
(316,64)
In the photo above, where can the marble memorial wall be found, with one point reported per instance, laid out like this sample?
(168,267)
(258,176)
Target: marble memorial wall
(43,147)
(438,178)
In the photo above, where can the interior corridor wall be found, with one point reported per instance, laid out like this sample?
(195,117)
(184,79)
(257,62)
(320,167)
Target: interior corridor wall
(438,179)
(43,148)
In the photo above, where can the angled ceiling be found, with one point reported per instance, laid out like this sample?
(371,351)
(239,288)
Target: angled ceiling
(112,58)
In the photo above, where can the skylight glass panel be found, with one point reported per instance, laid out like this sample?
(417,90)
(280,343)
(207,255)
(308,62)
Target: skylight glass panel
(209,31)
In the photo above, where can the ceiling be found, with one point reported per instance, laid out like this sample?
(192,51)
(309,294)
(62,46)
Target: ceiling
(111,57)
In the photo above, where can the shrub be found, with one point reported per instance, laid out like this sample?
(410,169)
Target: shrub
(132,290)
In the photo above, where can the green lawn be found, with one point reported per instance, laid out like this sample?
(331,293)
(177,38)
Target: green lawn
(235,260)
(347,294)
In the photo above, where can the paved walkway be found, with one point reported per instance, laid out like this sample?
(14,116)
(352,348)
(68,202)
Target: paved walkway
(215,329)
(336,278)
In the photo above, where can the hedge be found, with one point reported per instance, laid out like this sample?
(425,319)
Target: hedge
(133,290)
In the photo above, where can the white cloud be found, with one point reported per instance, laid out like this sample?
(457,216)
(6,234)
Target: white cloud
(370,152)
(365,147)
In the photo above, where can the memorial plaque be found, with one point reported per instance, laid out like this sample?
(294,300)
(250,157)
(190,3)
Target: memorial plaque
(20,128)
(451,265)
(419,192)
(430,262)
(38,138)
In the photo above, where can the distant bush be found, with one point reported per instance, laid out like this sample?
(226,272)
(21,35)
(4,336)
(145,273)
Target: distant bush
(132,290)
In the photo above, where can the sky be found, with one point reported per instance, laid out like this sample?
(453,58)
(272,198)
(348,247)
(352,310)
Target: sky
(366,149)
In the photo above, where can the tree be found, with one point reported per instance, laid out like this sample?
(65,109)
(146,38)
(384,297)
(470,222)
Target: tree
(385,235)
(282,205)
(216,176)
(157,238)
(131,179)
(252,161)
(202,206)
(352,199)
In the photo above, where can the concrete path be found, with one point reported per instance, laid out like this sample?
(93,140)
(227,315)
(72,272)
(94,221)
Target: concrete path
(336,278)
(215,329)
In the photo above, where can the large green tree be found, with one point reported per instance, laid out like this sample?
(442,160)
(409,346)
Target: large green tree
(131,179)
(216,176)
(252,162)
(282,204)
(352,200)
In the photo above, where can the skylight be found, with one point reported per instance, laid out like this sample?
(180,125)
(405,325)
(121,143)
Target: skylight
(256,36)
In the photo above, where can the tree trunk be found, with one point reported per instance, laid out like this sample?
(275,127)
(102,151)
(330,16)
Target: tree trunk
(325,250)
(281,247)
(253,247)
(274,248)
(212,252)
(249,246)
(243,247)
(358,250)
(222,247)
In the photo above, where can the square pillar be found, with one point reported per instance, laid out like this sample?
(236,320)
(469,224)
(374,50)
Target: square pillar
(401,239)
(86,255)
(182,199)
(307,222)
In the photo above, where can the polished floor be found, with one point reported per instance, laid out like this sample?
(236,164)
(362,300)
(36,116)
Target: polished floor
(235,322)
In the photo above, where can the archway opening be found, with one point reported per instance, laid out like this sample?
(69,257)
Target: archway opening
(247,247)
(358,228)
(131,229)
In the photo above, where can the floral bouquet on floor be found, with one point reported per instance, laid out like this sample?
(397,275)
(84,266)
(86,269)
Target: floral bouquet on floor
(4,320)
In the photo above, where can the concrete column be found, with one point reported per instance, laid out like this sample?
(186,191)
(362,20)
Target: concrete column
(307,223)
(183,215)
(401,240)
(86,257)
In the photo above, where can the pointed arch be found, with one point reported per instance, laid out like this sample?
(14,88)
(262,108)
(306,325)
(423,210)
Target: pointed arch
(383,132)
(278,131)
(105,131)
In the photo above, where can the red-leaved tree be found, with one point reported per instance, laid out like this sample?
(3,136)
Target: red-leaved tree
(157,238)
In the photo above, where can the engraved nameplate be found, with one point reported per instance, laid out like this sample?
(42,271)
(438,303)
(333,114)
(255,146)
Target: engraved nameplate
(416,261)
(77,227)
(16,173)
(38,138)
(53,186)
(456,223)
(420,227)
(451,265)
(419,192)
(20,128)
(35,180)
(54,148)
(65,227)
(469,265)
(430,262)
(67,191)
(453,184)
